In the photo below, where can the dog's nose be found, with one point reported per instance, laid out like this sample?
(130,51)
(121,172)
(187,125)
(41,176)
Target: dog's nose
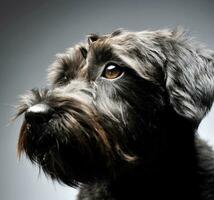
(38,113)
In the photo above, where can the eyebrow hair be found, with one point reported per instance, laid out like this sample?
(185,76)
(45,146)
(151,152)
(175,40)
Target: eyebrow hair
(69,62)
(101,51)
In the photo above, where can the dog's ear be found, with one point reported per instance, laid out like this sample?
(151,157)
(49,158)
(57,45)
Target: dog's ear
(189,71)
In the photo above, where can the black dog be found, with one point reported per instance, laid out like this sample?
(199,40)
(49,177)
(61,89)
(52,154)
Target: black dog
(121,117)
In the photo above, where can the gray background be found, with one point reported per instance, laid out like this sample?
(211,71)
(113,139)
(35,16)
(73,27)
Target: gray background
(32,32)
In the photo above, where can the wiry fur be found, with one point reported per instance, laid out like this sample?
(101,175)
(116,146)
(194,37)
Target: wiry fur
(133,137)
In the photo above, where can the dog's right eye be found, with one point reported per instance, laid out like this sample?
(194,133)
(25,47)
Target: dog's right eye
(112,71)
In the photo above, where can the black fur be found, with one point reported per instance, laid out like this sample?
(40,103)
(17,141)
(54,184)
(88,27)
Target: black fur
(134,136)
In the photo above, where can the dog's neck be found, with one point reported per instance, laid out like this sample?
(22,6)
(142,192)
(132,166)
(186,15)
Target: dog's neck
(173,172)
(174,175)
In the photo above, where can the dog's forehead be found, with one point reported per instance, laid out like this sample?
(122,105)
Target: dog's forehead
(123,46)
(100,52)
(106,48)
(128,48)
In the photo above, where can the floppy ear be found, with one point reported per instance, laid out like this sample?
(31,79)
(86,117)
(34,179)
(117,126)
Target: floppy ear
(189,76)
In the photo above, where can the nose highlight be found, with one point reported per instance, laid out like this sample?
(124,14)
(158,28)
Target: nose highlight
(38,114)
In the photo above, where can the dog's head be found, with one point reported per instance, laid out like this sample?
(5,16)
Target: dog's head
(110,99)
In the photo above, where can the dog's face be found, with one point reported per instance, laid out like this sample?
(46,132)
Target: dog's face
(109,100)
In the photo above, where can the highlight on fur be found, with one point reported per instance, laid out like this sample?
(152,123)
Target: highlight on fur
(132,134)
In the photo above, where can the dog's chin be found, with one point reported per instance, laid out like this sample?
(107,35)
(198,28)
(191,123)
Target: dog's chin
(68,162)
(37,142)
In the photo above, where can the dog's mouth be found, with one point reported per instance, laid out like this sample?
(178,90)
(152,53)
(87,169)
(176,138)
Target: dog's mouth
(65,144)
(41,136)
(37,140)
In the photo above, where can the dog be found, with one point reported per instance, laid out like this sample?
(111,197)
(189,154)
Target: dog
(120,117)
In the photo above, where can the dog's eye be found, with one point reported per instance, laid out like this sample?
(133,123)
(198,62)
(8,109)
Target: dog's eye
(112,71)
(63,80)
